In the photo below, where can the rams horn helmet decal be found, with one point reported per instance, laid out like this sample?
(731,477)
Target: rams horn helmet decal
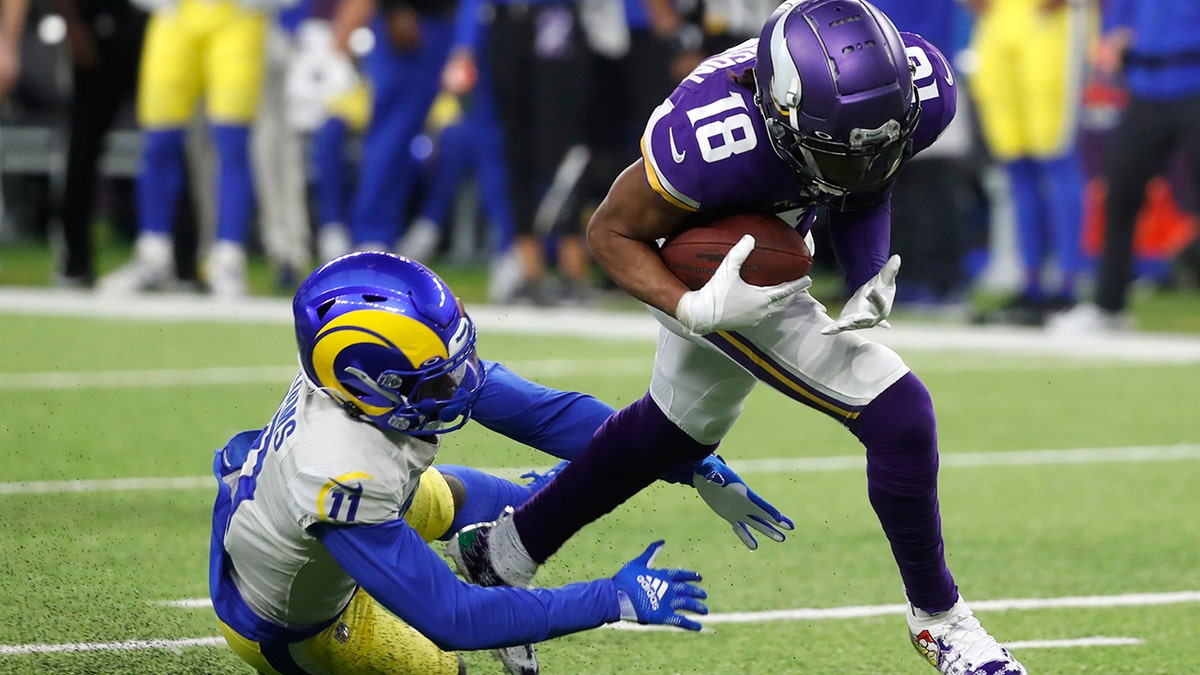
(384,335)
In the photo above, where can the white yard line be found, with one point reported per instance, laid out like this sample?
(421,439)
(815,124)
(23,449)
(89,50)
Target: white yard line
(185,643)
(1133,454)
(281,375)
(867,611)
(798,614)
(1136,347)
(125,646)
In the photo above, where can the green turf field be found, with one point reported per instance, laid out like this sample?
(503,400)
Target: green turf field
(1067,481)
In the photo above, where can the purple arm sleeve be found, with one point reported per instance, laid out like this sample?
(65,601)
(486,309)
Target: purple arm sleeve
(399,570)
(861,240)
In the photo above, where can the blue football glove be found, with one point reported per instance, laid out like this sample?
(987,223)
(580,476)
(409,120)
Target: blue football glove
(727,494)
(657,596)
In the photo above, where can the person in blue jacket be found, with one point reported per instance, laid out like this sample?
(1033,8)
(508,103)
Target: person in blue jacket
(1153,49)
(319,561)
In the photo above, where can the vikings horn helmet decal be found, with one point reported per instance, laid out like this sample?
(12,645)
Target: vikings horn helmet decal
(836,91)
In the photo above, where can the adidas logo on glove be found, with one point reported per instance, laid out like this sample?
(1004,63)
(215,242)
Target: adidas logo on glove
(654,588)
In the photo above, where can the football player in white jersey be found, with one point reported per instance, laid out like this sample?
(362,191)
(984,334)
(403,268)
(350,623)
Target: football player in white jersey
(319,561)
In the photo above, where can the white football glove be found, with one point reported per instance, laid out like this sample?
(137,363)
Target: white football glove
(728,302)
(729,497)
(871,304)
(316,75)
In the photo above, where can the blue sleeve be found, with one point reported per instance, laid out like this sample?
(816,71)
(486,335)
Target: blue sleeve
(290,18)
(861,240)
(560,423)
(1117,14)
(399,570)
(467,26)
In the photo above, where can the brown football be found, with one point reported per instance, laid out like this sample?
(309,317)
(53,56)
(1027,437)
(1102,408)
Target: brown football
(779,254)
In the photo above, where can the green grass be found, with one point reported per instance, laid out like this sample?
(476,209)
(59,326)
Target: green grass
(92,567)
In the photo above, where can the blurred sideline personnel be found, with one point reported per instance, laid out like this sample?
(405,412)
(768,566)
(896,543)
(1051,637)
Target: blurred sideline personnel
(1153,47)
(412,44)
(541,73)
(1029,89)
(277,150)
(821,111)
(471,147)
(194,48)
(12,26)
(105,41)
(319,560)
(931,198)
(328,100)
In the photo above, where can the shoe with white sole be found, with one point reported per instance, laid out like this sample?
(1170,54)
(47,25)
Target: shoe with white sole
(1088,319)
(333,241)
(491,554)
(504,277)
(955,643)
(421,240)
(225,271)
(151,269)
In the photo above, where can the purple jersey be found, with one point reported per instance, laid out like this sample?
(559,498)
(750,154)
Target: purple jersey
(706,148)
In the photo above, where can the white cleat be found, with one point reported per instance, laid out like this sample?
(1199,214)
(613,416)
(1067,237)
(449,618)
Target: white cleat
(491,554)
(226,270)
(421,240)
(504,277)
(955,643)
(1086,319)
(333,241)
(152,267)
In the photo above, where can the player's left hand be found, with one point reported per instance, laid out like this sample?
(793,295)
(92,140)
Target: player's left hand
(650,595)
(871,304)
(729,496)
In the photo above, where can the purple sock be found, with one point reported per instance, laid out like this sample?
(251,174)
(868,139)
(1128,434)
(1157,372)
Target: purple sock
(628,452)
(900,433)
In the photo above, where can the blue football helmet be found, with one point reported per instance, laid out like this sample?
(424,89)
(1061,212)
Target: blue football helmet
(836,91)
(385,336)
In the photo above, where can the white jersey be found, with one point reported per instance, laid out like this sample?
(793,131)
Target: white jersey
(316,464)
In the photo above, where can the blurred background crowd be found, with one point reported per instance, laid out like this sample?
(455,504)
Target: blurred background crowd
(202,137)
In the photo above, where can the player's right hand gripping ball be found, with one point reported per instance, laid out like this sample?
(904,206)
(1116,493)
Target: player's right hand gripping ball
(779,254)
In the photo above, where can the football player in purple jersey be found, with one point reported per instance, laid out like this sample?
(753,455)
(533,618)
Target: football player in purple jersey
(821,111)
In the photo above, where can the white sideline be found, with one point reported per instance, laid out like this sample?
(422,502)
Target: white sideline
(1162,453)
(279,375)
(1138,347)
(178,645)
(867,611)
(125,646)
(800,614)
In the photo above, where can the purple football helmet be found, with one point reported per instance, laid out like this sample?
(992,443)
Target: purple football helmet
(835,88)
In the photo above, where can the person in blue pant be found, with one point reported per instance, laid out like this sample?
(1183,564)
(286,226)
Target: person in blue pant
(473,144)
(194,48)
(318,557)
(1028,90)
(412,44)
(1154,48)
